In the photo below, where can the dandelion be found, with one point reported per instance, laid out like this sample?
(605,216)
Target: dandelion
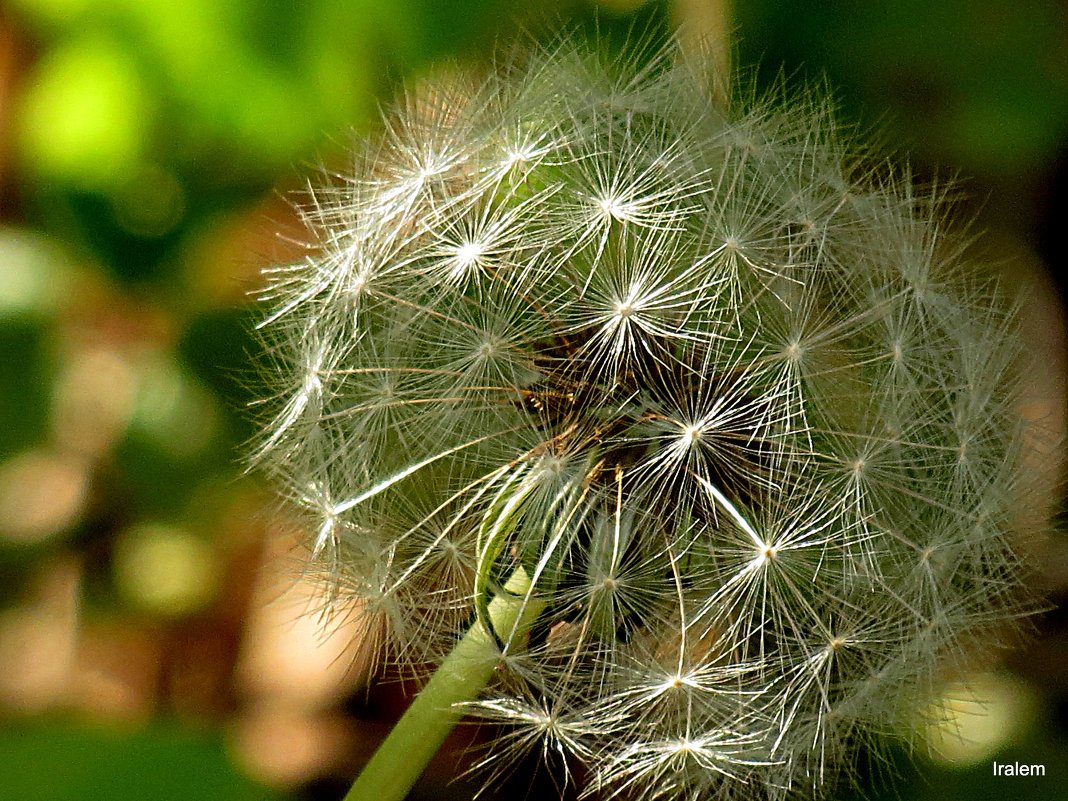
(686,447)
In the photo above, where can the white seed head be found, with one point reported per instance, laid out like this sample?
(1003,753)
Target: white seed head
(728,398)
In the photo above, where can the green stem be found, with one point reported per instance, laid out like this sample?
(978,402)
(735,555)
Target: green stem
(705,30)
(418,735)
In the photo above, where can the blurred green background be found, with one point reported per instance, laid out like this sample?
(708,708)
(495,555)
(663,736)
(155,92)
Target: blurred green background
(152,637)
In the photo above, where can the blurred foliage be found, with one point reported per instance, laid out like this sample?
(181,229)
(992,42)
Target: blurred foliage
(979,86)
(163,762)
(146,152)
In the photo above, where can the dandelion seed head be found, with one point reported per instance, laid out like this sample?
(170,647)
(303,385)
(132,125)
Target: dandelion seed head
(725,393)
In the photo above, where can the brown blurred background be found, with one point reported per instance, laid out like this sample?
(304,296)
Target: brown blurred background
(156,639)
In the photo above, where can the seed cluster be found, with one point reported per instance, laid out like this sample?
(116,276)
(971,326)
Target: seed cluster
(741,415)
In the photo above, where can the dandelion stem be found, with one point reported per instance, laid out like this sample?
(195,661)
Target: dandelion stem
(418,735)
(705,30)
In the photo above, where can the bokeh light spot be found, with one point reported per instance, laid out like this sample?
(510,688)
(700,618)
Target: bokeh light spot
(93,400)
(972,721)
(84,115)
(172,409)
(166,570)
(41,494)
(32,278)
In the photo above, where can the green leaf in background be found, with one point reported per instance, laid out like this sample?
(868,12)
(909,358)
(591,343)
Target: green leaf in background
(57,761)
